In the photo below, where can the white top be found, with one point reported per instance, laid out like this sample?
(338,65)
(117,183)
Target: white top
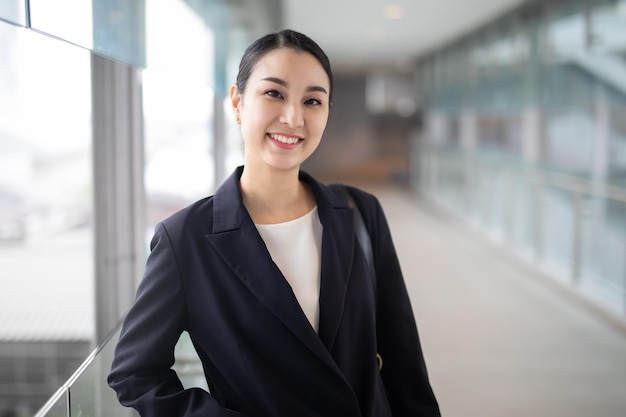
(296,248)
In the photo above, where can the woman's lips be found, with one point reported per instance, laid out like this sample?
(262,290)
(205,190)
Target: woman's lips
(286,139)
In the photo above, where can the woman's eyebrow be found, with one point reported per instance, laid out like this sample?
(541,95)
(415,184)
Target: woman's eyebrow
(286,84)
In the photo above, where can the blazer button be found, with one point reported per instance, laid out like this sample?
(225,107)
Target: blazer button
(379,359)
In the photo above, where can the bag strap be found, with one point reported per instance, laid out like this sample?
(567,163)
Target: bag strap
(365,242)
(359,225)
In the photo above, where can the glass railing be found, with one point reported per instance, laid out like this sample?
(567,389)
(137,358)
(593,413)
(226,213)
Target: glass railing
(570,227)
(86,393)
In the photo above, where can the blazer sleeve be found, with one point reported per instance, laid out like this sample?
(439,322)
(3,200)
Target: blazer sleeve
(404,370)
(141,371)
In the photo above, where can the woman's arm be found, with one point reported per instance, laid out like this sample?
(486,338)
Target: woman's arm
(404,370)
(141,372)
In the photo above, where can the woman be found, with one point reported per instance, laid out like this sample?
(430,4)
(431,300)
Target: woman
(268,277)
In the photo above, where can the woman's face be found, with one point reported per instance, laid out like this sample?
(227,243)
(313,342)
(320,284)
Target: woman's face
(283,110)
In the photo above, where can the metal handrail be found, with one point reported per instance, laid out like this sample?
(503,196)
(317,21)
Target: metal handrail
(66,387)
(568,182)
(187,365)
(581,186)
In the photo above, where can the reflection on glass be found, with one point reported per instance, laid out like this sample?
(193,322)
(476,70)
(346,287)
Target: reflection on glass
(13,11)
(46,244)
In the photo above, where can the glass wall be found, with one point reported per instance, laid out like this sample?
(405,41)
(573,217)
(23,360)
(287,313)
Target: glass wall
(525,138)
(46,213)
(113,28)
(13,11)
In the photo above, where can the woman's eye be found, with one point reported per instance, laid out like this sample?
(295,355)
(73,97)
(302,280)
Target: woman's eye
(273,93)
(313,102)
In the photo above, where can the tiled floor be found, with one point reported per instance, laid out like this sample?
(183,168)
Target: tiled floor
(501,341)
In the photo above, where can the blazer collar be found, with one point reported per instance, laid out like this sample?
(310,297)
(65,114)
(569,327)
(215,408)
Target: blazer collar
(236,239)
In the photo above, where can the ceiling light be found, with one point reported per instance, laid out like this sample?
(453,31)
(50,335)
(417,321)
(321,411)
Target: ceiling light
(394,12)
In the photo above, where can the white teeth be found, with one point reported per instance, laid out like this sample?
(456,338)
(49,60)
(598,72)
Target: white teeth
(285,139)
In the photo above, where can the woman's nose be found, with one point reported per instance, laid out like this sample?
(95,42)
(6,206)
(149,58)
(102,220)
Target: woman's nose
(293,115)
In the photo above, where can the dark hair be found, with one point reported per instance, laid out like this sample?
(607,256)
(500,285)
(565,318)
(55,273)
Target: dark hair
(283,39)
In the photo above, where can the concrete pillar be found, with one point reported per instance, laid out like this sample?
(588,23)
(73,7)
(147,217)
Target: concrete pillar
(119,203)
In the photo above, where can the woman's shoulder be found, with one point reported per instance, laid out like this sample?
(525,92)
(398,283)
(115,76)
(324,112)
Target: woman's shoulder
(196,213)
(365,200)
(335,190)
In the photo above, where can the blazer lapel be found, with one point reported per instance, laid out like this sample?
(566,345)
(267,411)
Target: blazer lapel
(239,244)
(337,258)
(246,255)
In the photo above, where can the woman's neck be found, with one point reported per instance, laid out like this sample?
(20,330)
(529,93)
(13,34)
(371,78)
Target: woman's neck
(275,196)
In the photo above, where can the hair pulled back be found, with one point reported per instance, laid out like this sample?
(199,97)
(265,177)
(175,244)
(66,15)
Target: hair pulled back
(286,38)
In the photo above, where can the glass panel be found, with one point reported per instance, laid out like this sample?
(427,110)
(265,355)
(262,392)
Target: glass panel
(523,215)
(56,406)
(119,30)
(90,395)
(604,246)
(46,242)
(566,85)
(499,133)
(608,26)
(556,227)
(566,33)
(70,20)
(113,28)
(617,138)
(455,184)
(547,88)
(495,198)
(188,365)
(13,11)
(570,140)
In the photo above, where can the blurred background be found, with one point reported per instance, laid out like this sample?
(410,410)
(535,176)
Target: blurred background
(494,132)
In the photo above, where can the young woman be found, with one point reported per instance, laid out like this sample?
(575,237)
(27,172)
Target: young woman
(288,316)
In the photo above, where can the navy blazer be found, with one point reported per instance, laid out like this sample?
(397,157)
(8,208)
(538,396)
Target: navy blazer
(209,273)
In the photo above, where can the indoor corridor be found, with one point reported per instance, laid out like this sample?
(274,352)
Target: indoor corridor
(501,339)
(508,113)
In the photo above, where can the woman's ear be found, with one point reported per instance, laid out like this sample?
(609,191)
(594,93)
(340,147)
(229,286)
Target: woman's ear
(235,101)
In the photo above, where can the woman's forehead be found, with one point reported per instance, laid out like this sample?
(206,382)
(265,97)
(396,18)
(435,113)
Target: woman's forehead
(290,65)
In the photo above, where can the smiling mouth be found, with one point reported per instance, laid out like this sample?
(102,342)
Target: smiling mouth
(287,140)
